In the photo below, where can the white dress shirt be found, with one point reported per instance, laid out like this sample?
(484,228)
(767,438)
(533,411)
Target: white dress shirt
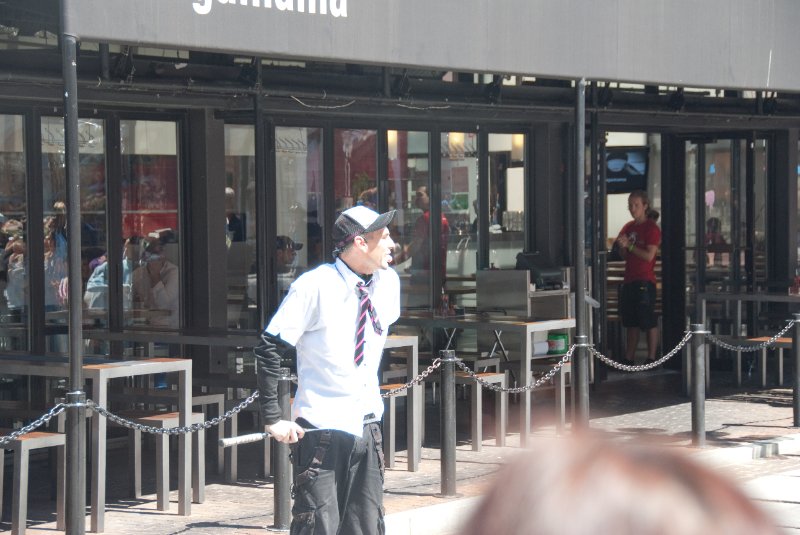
(319,317)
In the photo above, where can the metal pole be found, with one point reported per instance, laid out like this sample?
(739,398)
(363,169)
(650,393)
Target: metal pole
(448,422)
(76,423)
(699,385)
(283,467)
(796,371)
(581,361)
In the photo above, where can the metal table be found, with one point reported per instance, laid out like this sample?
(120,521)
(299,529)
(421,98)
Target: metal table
(521,327)
(100,374)
(414,399)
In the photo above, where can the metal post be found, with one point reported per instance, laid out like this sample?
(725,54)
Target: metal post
(580,356)
(75,429)
(76,423)
(796,371)
(283,467)
(448,422)
(699,385)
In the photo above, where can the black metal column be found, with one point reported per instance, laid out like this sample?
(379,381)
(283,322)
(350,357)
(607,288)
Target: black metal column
(282,513)
(76,421)
(448,422)
(580,356)
(698,385)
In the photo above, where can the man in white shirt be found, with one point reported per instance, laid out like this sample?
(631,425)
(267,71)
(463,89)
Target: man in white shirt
(335,318)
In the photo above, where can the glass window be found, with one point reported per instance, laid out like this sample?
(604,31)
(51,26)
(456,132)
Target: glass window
(459,167)
(150,269)
(506,203)
(355,168)
(92,157)
(409,175)
(298,201)
(13,235)
(240,213)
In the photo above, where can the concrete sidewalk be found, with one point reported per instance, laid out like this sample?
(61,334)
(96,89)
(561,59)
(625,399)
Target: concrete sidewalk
(749,433)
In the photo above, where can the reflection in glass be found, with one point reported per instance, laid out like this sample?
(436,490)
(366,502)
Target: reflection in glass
(150,223)
(240,226)
(355,168)
(506,203)
(408,175)
(298,201)
(92,158)
(13,235)
(459,168)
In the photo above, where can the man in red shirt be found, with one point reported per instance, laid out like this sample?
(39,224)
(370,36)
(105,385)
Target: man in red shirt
(638,243)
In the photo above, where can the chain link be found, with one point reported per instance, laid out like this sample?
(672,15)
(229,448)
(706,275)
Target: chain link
(518,390)
(642,367)
(414,382)
(45,418)
(750,348)
(171,430)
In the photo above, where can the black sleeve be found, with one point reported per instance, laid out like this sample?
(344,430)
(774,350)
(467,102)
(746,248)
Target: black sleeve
(270,353)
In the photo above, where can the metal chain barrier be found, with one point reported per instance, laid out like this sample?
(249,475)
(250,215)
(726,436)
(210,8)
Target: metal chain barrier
(90,404)
(414,382)
(171,430)
(45,418)
(642,367)
(518,390)
(750,348)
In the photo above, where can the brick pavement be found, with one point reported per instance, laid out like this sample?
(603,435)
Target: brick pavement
(649,406)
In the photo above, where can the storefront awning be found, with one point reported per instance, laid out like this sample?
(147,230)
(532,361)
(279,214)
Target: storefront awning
(747,44)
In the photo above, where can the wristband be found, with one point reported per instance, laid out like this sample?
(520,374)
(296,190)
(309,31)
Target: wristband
(630,248)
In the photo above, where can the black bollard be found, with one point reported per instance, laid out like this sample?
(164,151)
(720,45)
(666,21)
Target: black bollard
(282,515)
(699,385)
(76,463)
(448,422)
(796,371)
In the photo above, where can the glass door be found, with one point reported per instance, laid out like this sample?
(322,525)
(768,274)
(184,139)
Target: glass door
(725,211)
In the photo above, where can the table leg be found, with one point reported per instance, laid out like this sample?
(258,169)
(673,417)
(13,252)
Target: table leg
(525,402)
(184,443)
(561,406)
(100,396)
(763,367)
(415,404)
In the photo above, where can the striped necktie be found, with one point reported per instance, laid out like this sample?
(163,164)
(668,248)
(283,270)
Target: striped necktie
(365,307)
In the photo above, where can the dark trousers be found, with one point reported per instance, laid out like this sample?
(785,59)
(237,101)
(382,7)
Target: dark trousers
(338,485)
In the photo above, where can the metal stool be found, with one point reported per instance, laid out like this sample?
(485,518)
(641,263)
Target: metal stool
(165,420)
(22,447)
(476,397)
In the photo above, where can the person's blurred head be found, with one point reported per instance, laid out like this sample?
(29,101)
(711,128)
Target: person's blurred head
(369,198)
(589,487)
(286,250)
(639,206)
(131,249)
(421,198)
(153,250)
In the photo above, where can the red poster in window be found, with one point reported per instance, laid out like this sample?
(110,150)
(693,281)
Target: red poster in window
(150,197)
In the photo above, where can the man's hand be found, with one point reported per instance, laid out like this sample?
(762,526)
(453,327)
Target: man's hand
(286,431)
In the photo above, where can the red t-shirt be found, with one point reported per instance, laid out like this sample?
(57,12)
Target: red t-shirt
(641,235)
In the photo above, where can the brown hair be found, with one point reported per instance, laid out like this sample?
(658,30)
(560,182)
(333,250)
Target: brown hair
(585,486)
(642,195)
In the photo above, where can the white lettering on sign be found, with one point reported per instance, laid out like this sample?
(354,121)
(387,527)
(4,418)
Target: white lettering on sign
(337,8)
